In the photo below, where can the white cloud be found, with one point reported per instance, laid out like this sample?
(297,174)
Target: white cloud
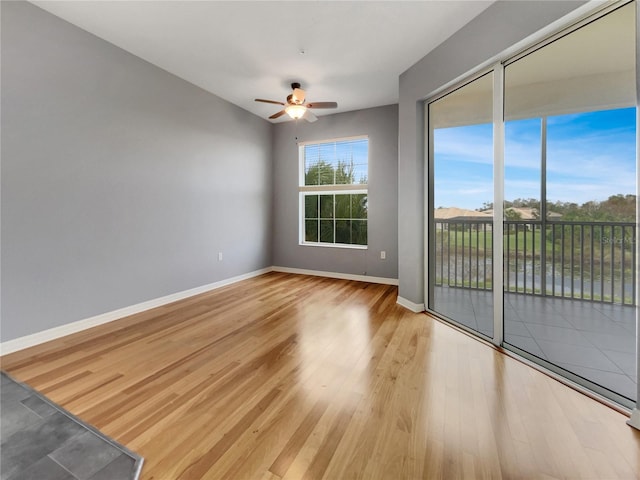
(590,165)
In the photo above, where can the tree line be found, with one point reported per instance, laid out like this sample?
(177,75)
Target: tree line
(616,208)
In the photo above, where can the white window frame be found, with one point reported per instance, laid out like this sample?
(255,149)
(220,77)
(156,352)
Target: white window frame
(305,190)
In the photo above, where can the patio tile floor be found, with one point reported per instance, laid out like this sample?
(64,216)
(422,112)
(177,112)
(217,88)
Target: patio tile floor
(593,340)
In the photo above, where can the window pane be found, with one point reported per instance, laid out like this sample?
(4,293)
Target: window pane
(343,231)
(570,274)
(311,176)
(326,206)
(311,206)
(460,255)
(325,173)
(344,173)
(360,174)
(311,230)
(522,235)
(359,205)
(579,145)
(311,158)
(327,153)
(359,232)
(358,151)
(522,169)
(326,231)
(343,206)
(342,162)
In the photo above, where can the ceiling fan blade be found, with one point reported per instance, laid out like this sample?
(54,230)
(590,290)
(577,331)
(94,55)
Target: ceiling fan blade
(322,105)
(279,114)
(309,117)
(269,101)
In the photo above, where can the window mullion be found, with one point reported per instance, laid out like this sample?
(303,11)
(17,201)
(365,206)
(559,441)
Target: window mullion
(334,216)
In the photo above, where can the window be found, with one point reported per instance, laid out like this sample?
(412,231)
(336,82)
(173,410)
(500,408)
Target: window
(333,192)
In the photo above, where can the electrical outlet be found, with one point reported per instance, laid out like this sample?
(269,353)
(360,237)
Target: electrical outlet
(383,255)
(219,256)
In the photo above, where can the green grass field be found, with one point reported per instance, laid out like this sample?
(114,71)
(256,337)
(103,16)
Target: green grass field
(526,242)
(475,239)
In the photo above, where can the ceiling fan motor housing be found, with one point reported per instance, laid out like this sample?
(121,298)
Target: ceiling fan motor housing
(298,96)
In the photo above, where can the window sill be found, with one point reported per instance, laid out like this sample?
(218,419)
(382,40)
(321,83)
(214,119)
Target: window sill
(334,245)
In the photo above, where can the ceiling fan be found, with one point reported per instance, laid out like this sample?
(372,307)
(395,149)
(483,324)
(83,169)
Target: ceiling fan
(295,106)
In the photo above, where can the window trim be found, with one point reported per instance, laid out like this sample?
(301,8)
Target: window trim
(303,242)
(334,189)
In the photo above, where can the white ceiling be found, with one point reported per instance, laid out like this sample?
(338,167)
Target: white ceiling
(354,51)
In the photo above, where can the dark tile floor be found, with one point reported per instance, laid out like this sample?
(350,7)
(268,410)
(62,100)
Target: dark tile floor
(594,340)
(41,441)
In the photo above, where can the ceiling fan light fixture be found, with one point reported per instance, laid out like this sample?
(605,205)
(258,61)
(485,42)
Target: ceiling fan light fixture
(295,111)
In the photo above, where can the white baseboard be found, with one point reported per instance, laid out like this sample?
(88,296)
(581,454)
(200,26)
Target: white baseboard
(408,304)
(341,276)
(634,421)
(27,341)
(37,338)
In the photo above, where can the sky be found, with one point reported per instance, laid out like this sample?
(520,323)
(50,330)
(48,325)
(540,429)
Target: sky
(590,156)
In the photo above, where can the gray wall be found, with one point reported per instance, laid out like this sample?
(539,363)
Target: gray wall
(499,27)
(120,182)
(381,125)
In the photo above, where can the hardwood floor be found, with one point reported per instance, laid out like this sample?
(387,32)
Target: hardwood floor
(295,377)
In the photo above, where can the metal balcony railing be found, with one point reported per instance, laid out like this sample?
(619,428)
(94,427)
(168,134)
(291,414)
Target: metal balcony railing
(593,261)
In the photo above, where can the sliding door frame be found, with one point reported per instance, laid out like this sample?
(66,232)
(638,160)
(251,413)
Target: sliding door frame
(577,19)
(429,233)
(498,204)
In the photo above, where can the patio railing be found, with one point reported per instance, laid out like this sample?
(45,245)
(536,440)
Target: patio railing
(587,260)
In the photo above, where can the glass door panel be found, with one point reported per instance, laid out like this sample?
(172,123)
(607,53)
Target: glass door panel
(570,183)
(460,198)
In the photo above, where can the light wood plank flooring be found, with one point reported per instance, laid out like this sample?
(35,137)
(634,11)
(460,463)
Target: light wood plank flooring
(295,377)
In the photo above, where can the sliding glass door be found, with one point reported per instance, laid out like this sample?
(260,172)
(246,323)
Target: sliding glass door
(570,203)
(460,218)
(565,141)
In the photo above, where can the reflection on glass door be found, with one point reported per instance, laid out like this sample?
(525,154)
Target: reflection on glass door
(570,197)
(460,219)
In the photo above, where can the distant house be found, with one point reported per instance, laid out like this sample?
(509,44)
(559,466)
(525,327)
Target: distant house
(444,216)
(455,214)
(527,213)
